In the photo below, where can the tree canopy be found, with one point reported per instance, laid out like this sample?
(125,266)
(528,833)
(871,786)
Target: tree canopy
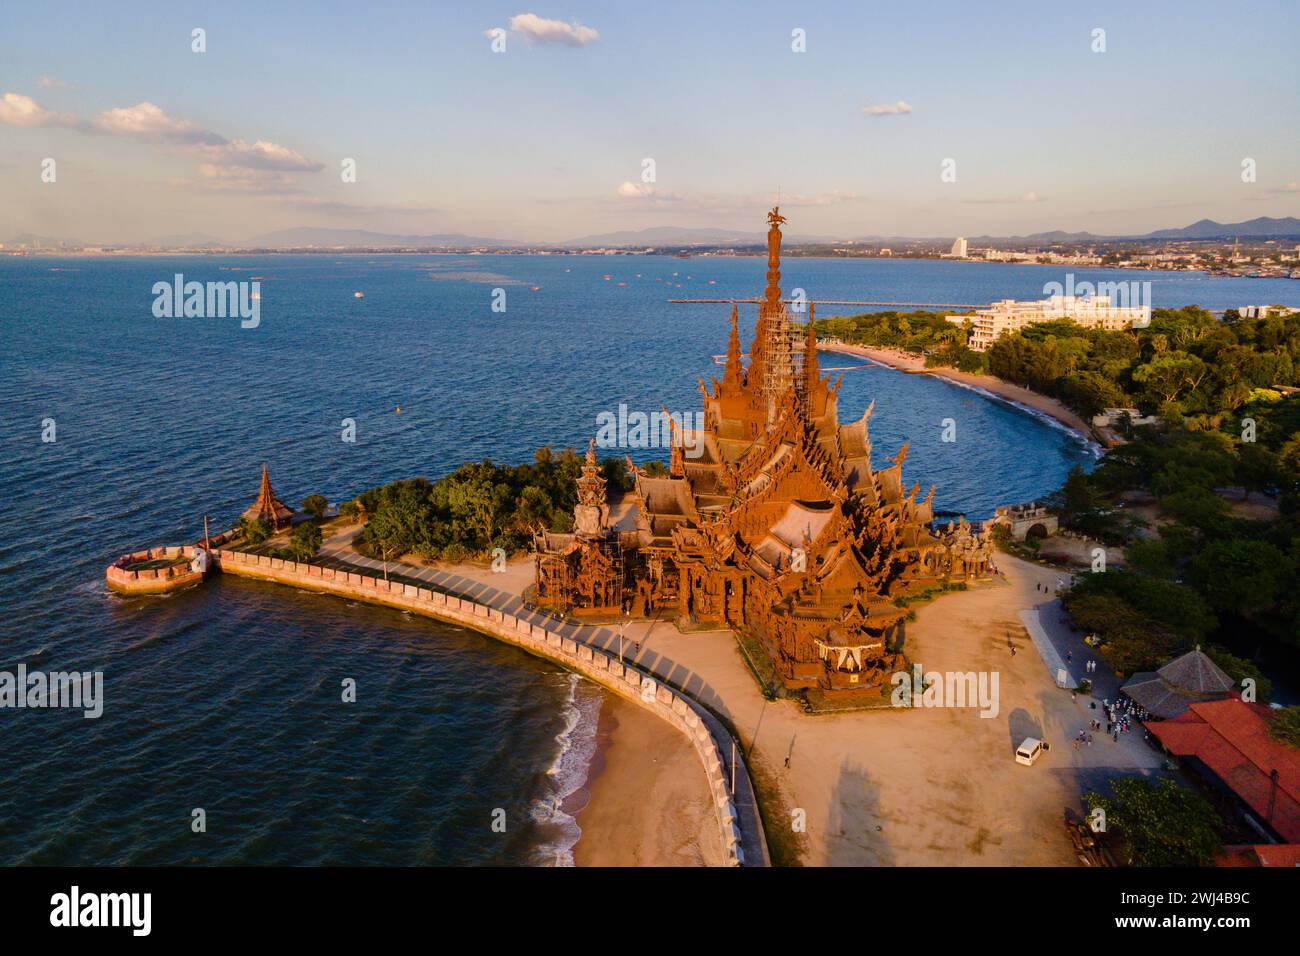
(1161,823)
(478,507)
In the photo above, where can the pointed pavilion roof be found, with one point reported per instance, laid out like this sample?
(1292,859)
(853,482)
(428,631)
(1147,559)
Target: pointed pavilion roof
(1168,692)
(267,506)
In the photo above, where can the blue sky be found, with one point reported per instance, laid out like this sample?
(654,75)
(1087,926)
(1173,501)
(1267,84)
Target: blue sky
(546,140)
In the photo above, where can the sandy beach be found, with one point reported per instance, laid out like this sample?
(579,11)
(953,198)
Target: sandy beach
(648,803)
(909,362)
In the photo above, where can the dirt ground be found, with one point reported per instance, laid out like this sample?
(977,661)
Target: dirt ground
(918,786)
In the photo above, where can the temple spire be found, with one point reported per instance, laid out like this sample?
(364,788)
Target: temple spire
(772,360)
(772,298)
(811,369)
(591,486)
(591,513)
(732,377)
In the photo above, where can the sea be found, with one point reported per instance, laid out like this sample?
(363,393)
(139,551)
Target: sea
(123,430)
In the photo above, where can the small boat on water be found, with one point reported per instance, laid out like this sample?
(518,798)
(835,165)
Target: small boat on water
(358,295)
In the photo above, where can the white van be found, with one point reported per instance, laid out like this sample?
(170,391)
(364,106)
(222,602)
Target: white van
(1029,751)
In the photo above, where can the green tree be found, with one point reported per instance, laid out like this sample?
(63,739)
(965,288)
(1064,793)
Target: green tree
(1257,468)
(255,531)
(1199,507)
(304,542)
(315,505)
(1150,557)
(1239,668)
(1169,376)
(1285,726)
(1161,823)
(1076,497)
(1240,575)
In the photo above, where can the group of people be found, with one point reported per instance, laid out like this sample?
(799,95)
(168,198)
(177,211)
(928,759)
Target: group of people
(1120,715)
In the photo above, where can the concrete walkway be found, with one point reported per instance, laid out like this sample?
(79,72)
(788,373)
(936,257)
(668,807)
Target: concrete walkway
(1046,649)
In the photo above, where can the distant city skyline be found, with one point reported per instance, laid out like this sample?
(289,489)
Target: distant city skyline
(547,141)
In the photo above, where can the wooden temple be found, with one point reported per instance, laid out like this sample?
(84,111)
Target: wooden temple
(781,528)
(268,507)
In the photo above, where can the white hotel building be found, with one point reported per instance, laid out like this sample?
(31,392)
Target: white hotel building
(1008,315)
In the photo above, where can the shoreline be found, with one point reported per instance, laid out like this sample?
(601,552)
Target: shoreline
(657,711)
(990,385)
(641,805)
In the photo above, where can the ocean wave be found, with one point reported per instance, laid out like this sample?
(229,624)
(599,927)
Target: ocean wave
(1094,448)
(568,773)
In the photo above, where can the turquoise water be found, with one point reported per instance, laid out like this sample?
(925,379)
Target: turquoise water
(228,697)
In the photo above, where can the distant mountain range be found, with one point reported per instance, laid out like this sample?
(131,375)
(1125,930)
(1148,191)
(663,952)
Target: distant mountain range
(334,238)
(681,236)
(1263,227)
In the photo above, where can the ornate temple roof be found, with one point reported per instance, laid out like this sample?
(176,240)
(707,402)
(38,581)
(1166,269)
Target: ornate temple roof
(779,523)
(268,507)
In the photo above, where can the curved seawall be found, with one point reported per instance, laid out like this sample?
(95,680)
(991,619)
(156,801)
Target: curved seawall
(738,819)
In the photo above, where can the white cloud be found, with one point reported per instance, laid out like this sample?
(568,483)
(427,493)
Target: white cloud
(334,206)
(19,110)
(902,106)
(832,198)
(227,165)
(243,180)
(1006,200)
(631,190)
(537,29)
(148,121)
(259,155)
(51,83)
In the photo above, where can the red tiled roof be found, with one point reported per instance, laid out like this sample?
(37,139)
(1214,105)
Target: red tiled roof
(1231,738)
(1264,854)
